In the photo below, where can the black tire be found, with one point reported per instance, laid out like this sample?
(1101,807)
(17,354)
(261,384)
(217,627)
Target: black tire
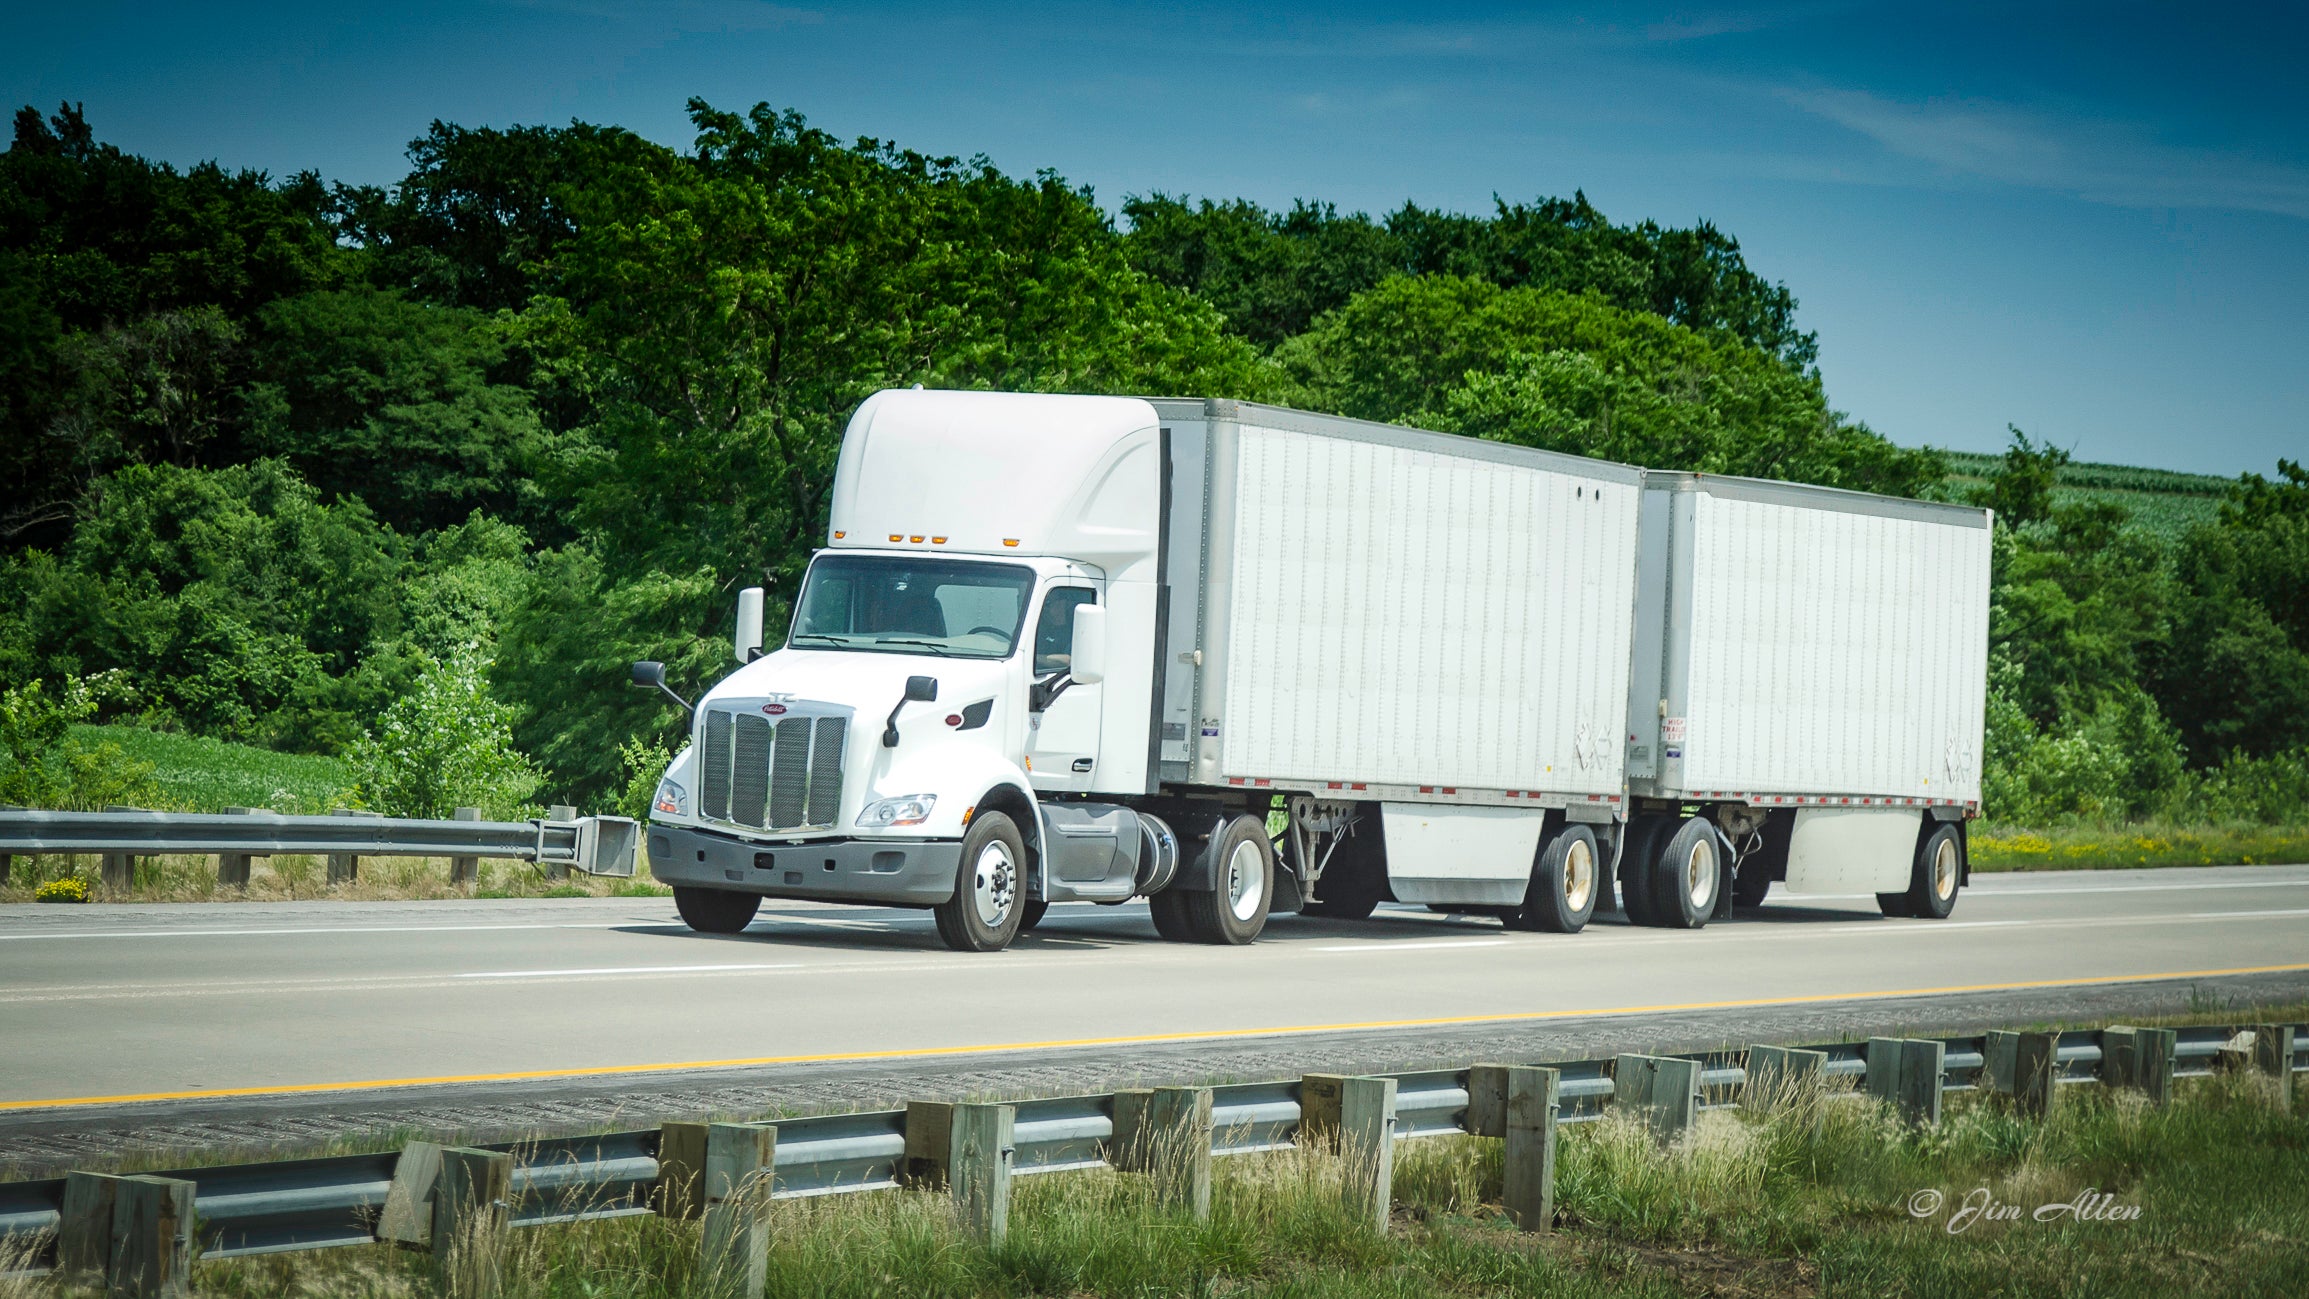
(1564,884)
(1032,915)
(1635,868)
(1355,879)
(1240,864)
(1685,876)
(1893,904)
(1750,884)
(715,911)
(1169,909)
(1935,877)
(984,913)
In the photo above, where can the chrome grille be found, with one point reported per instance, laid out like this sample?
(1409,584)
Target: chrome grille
(714,789)
(771,775)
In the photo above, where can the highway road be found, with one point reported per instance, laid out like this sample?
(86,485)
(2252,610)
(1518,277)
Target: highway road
(105,1006)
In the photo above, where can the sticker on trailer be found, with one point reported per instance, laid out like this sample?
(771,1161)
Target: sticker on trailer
(1672,730)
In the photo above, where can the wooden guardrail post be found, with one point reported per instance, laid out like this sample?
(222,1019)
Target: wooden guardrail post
(1662,1090)
(1175,1145)
(555,870)
(1906,1073)
(1127,1148)
(929,1144)
(1366,1131)
(2035,1072)
(741,1165)
(344,867)
(2273,1056)
(978,1168)
(119,868)
(465,870)
(1319,1095)
(407,1218)
(681,1170)
(2139,1059)
(1528,1127)
(232,868)
(7,862)
(1778,1076)
(133,1233)
(472,1207)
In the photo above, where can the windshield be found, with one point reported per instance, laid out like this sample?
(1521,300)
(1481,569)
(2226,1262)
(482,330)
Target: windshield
(905,605)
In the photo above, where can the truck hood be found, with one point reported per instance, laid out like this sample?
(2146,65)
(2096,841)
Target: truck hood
(870,683)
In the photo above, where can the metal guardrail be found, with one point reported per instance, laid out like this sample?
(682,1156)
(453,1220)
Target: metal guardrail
(308,1204)
(598,845)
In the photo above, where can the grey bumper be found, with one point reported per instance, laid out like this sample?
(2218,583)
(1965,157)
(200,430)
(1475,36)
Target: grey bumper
(915,873)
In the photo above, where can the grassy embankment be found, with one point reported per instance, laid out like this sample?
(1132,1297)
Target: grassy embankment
(2209,1196)
(194,774)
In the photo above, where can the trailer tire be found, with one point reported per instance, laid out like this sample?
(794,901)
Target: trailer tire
(1563,888)
(1939,866)
(715,911)
(988,902)
(1242,874)
(1685,876)
(1636,869)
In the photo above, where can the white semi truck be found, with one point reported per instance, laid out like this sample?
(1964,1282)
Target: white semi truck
(1083,649)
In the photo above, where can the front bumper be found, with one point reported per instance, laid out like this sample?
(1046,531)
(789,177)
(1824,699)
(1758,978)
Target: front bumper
(902,872)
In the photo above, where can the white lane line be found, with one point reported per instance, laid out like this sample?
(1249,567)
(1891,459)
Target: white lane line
(2228,915)
(1382,945)
(346,929)
(620,969)
(2078,891)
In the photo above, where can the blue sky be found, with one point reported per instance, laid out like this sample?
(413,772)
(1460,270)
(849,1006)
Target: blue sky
(2090,220)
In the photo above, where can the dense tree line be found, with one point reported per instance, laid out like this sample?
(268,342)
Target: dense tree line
(284,455)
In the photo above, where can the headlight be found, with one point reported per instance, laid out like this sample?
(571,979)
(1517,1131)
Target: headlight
(671,799)
(907,809)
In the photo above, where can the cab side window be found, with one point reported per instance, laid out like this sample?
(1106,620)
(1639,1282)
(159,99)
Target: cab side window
(1054,631)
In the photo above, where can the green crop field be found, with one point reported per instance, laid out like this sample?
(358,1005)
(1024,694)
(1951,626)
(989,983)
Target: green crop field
(2162,501)
(203,775)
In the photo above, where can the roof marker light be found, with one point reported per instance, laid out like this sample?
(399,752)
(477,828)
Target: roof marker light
(938,541)
(916,539)
(839,535)
(895,537)
(1010,541)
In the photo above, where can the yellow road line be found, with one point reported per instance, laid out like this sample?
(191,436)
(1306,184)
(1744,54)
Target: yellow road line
(612,1071)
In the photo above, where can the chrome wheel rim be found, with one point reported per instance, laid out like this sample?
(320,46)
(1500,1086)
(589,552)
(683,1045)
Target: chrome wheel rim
(1246,880)
(1700,876)
(994,887)
(1944,869)
(1578,876)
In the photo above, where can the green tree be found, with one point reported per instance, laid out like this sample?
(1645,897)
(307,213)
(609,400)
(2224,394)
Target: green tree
(445,744)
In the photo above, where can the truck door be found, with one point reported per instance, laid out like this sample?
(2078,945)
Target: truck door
(1061,738)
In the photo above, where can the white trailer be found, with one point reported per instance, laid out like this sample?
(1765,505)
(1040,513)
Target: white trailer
(1809,685)
(1082,648)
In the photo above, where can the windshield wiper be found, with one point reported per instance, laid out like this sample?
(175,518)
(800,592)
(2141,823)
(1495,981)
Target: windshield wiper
(934,647)
(798,637)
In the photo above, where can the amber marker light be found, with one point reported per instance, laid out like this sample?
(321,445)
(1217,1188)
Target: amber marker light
(916,540)
(1010,541)
(895,537)
(938,541)
(839,535)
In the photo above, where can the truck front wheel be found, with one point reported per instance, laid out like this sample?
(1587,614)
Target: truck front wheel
(715,911)
(989,887)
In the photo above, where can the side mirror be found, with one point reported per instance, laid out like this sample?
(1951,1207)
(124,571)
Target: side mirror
(922,690)
(1086,659)
(748,646)
(650,672)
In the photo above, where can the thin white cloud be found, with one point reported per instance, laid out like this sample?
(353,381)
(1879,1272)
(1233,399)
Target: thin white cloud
(2097,160)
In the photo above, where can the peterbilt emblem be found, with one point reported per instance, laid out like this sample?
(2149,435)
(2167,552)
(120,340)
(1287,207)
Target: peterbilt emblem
(774,709)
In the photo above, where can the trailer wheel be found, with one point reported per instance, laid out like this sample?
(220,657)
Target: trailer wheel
(715,911)
(987,905)
(1686,875)
(1234,909)
(1636,867)
(1563,885)
(1939,867)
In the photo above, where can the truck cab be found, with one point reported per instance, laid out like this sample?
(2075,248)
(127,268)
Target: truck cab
(969,666)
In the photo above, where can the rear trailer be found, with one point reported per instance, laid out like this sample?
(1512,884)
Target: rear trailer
(1810,679)
(1400,628)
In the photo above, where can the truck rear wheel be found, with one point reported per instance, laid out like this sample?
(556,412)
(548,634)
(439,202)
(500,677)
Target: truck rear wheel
(1939,866)
(1233,910)
(1686,875)
(989,898)
(1636,868)
(715,911)
(1563,884)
